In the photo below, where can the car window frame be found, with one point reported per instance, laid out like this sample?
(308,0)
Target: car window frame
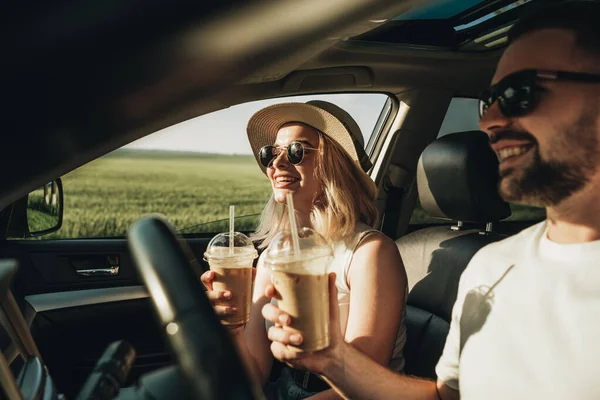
(412,226)
(375,135)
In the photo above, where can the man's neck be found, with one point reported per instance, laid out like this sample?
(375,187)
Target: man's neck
(576,219)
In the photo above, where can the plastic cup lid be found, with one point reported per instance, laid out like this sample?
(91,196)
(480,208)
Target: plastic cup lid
(218,247)
(312,245)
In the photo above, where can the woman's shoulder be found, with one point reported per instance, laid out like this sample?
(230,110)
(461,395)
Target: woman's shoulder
(373,240)
(376,241)
(378,252)
(361,227)
(363,230)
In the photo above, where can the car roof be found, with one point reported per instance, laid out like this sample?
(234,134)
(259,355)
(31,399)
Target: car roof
(462,26)
(83,78)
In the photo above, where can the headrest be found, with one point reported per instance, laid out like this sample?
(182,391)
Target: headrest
(457,179)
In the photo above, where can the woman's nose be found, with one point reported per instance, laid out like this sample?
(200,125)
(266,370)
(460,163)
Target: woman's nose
(280,161)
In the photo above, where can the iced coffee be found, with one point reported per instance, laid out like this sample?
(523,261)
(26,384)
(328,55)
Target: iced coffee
(301,281)
(232,262)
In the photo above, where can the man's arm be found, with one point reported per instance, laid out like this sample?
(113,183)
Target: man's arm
(352,374)
(356,376)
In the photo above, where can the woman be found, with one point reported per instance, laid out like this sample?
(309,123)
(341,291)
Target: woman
(315,151)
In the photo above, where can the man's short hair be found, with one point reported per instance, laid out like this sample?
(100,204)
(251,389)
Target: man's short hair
(581,17)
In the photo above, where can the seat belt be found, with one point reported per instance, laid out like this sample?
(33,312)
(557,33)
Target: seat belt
(393,206)
(395,188)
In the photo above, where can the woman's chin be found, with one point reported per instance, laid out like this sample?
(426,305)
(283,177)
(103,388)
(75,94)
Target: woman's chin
(280,195)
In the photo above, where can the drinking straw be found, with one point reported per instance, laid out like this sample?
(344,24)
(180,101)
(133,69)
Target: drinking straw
(231,230)
(293,227)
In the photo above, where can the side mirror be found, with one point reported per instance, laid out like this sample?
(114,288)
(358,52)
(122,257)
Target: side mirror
(45,209)
(38,213)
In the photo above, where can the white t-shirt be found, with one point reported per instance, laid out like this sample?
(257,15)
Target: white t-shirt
(525,323)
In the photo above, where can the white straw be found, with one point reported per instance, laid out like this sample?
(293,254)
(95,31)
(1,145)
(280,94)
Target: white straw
(293,226)
(231,228)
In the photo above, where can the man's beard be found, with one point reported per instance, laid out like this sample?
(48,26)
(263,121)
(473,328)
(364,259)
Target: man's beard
(546,183)
(543,183)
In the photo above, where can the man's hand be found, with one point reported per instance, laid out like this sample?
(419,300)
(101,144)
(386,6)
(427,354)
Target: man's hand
(312,361)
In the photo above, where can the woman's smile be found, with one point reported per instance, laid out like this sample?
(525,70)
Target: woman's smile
(285,181)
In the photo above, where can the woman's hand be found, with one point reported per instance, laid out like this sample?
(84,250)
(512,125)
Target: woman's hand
(221,300)
(312,361)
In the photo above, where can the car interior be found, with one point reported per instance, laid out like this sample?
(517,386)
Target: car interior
(126,317)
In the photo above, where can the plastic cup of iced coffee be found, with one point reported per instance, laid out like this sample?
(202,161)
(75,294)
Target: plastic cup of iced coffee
(299,274)
(231,255)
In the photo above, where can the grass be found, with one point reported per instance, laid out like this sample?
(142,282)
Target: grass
(102,198)
(194,191)
(40,216)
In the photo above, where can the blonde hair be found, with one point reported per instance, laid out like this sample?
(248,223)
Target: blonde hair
(347,197)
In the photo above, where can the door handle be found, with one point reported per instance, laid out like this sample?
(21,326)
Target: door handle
(108,271)
(96,265)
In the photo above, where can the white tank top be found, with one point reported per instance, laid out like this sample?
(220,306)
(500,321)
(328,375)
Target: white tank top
(342,256)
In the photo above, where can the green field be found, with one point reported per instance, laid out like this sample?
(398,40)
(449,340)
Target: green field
(103,198)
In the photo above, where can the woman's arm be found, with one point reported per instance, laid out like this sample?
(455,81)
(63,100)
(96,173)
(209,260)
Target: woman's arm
(378,287)
(252,342)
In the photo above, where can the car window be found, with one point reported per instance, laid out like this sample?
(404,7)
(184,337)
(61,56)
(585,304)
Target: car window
(190,172)
(463,115)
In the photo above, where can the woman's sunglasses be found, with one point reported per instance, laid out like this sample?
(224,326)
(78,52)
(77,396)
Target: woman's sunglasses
(517,94)
(295,153)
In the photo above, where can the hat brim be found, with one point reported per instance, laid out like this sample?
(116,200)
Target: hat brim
(263,126)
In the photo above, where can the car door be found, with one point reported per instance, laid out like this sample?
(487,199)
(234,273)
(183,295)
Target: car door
(79,296)
(78,286)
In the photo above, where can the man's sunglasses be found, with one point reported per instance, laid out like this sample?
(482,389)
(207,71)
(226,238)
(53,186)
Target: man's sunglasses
(518,93)
(295,153)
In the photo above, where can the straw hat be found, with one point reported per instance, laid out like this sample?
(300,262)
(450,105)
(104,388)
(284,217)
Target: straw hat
(326,117)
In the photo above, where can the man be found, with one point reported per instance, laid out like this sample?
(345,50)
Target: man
(524,323)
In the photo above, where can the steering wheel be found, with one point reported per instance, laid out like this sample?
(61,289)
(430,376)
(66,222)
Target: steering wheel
(203,348)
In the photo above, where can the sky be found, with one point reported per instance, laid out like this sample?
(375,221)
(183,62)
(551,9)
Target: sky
(224,131)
